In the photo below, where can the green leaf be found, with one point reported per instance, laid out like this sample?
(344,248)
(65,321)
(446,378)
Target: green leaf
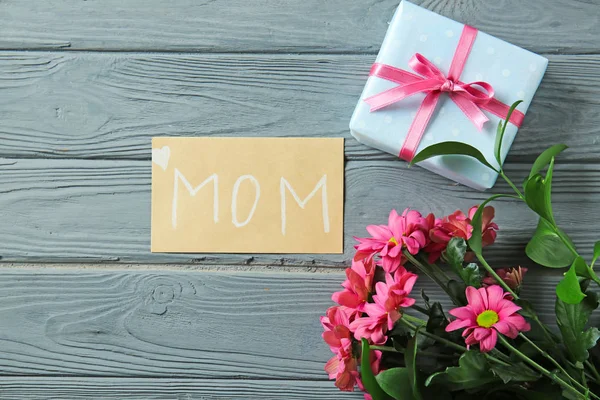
(473,371)
(395,382)
(545,158)
(366,374)
(437,319)
(517,372)
(572,320)
(410,360)
(500,131)
(546,247)
(568,289)
(457,290)
(451,148)
(425,299)
(475,241)
(596,253)
(454,255)
(538,194)
(472,275)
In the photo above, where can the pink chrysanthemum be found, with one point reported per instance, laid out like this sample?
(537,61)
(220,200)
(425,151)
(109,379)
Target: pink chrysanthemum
(402,231)
(392,296)
(358,286)
(343,366)
(487,313)
(458,224)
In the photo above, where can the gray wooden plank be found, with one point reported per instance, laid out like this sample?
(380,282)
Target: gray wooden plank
(60,388)
(99,210)
(164,323)
(109,105)
(297,26)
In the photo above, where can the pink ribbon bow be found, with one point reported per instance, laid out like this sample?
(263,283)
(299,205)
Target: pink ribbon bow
(432,81)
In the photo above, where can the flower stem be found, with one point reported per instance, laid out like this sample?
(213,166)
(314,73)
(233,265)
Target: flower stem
(493,273)
(449,343)
(420,309)
(512,185)
(415,320)
(421,352)
(594,370)
(431,274)
(434,337)
(384,348)
(543,370)
(436,268)
(553,361)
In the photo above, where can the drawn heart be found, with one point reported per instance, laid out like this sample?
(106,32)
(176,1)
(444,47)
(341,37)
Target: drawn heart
(161,157)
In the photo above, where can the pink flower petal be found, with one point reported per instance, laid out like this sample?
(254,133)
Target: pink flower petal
(481,333)
(394,251)
(495,296)
(346,298)
(419,236)
(475,301)
(507,329)
(412,245)
(518,322)
(396,224)
(484,297)
(390,264)
(332,366)
(508,310)
(380,232)
(458,324)
(410,282)
(463,313)
(489,342)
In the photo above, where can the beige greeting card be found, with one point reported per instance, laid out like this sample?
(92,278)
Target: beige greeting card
(247,195)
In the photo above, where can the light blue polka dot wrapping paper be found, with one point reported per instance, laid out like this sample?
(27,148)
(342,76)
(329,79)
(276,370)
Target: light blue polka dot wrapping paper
(514,73)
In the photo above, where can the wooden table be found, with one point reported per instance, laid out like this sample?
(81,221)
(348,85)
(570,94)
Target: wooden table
(86,311)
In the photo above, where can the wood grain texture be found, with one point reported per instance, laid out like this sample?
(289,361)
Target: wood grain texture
(242,325)
(546,26)
(110,105)
(99,210)
(31,388)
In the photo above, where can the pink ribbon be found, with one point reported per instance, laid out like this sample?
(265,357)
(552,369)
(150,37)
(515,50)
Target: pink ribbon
(470,99)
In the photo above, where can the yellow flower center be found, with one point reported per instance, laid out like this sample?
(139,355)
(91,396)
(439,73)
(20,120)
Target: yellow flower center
(487,318)
(393,240)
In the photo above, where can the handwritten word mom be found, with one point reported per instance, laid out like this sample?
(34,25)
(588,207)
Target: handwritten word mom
(284,187)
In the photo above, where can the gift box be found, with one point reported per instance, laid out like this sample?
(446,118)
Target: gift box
(419,93)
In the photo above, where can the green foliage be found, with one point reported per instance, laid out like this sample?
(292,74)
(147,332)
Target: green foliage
(546,247)
(568,289)
(454,255)
(472,372)
(451,148)
(545,158)
(475,241)
(538,194)
(572,320)
(395,382)
(410,357)
(366,374)
(457,290)
(500,132)
(471,275)
(596,253)
(518,372)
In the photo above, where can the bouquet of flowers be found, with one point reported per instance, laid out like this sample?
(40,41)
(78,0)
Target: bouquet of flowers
(492,344)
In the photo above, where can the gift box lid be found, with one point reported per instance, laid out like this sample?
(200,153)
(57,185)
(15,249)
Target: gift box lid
(514,73)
